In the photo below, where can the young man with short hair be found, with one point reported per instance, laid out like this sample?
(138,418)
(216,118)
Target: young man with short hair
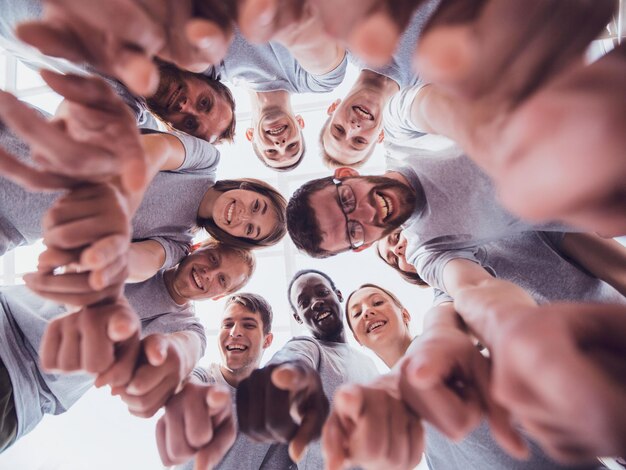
(304,374)
(355,124)
(245,333)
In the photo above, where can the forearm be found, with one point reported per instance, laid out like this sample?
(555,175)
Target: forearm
(318,57)
(189,346)
(604,258)
(163,152)
(145,259)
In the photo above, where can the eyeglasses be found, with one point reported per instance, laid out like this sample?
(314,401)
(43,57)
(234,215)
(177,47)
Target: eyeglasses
(347,203)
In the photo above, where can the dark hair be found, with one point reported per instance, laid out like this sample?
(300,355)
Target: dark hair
(299,274)
(258,153)
(277,202)
(212,80)
(255,304)
(246,256)
(301,222)
(392,296)
(410,277)
(222,90)
(332,162)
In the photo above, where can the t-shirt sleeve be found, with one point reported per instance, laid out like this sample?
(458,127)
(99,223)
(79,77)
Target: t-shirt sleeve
(202,375)
(175,322)
(430,264)
(299,348)
(199,154)
(397,116)
(175,250)
(440,297)
(307,82)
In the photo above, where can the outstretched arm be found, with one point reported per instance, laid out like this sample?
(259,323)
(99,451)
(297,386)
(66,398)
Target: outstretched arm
(602,257)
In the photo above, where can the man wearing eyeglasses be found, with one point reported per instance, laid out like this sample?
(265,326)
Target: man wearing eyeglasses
(447,207)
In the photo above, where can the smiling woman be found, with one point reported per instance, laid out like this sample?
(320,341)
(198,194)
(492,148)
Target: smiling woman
(245,213)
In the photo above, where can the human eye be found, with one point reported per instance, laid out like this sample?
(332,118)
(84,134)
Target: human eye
(338,129)
(324,292)
(222,280)
(378,302)
(249,230)
(291,146)
(356,313)
(360,141)
(204,103)
(249,326)
(303,303)
(213,259)
(227,325)
(270,152)
(395,237)
(256,205)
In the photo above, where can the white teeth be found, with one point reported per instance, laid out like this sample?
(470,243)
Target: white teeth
(236,347)
(229,215)
(385,205)
(375,325)
(363,113)
(323,315)
(197,279)
(277,131)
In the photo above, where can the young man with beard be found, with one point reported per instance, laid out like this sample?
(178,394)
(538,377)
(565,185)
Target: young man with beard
(301,59)
(304,374)
(173,338)
(245,333)
(355,124)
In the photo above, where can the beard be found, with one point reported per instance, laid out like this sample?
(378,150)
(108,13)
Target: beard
(406,200)
(169,76)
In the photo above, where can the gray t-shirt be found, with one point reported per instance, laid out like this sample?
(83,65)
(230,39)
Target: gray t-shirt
(479,450)
(167,214)
(459,213)
(337,363)
(534,261)
(400,68)
(403,140)
(24,317)
(245,454)
(271,67)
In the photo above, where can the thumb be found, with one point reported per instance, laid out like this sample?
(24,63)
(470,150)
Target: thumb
(217,398)
(289,377)
(155,349)
(425,373)
(134,174)
(122,326)
(348,402)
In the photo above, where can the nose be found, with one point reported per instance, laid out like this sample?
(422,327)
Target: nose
(399,248)
(186,106)
(235,331)
(364,212)
(368,312)
(317,305)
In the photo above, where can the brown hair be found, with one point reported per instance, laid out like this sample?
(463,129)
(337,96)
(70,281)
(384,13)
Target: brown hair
(255,304)
(412,278)
(392,296)
(244,254)
(278,204)
(332,163)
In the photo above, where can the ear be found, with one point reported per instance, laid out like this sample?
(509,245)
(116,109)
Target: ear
(297,318)
(218,297)
(249,134)
(267,341)
(362,247)
(381,136)
(345,172)
(406,316)
(300,121)
(339,295)
(333,107)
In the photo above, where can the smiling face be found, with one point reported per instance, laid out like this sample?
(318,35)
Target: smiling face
(381,204)
(209,273)
(392,249)
(318,305)
(278,138)
(375,319)
(244,214)
(241,338)
(354,127)
(189,104)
